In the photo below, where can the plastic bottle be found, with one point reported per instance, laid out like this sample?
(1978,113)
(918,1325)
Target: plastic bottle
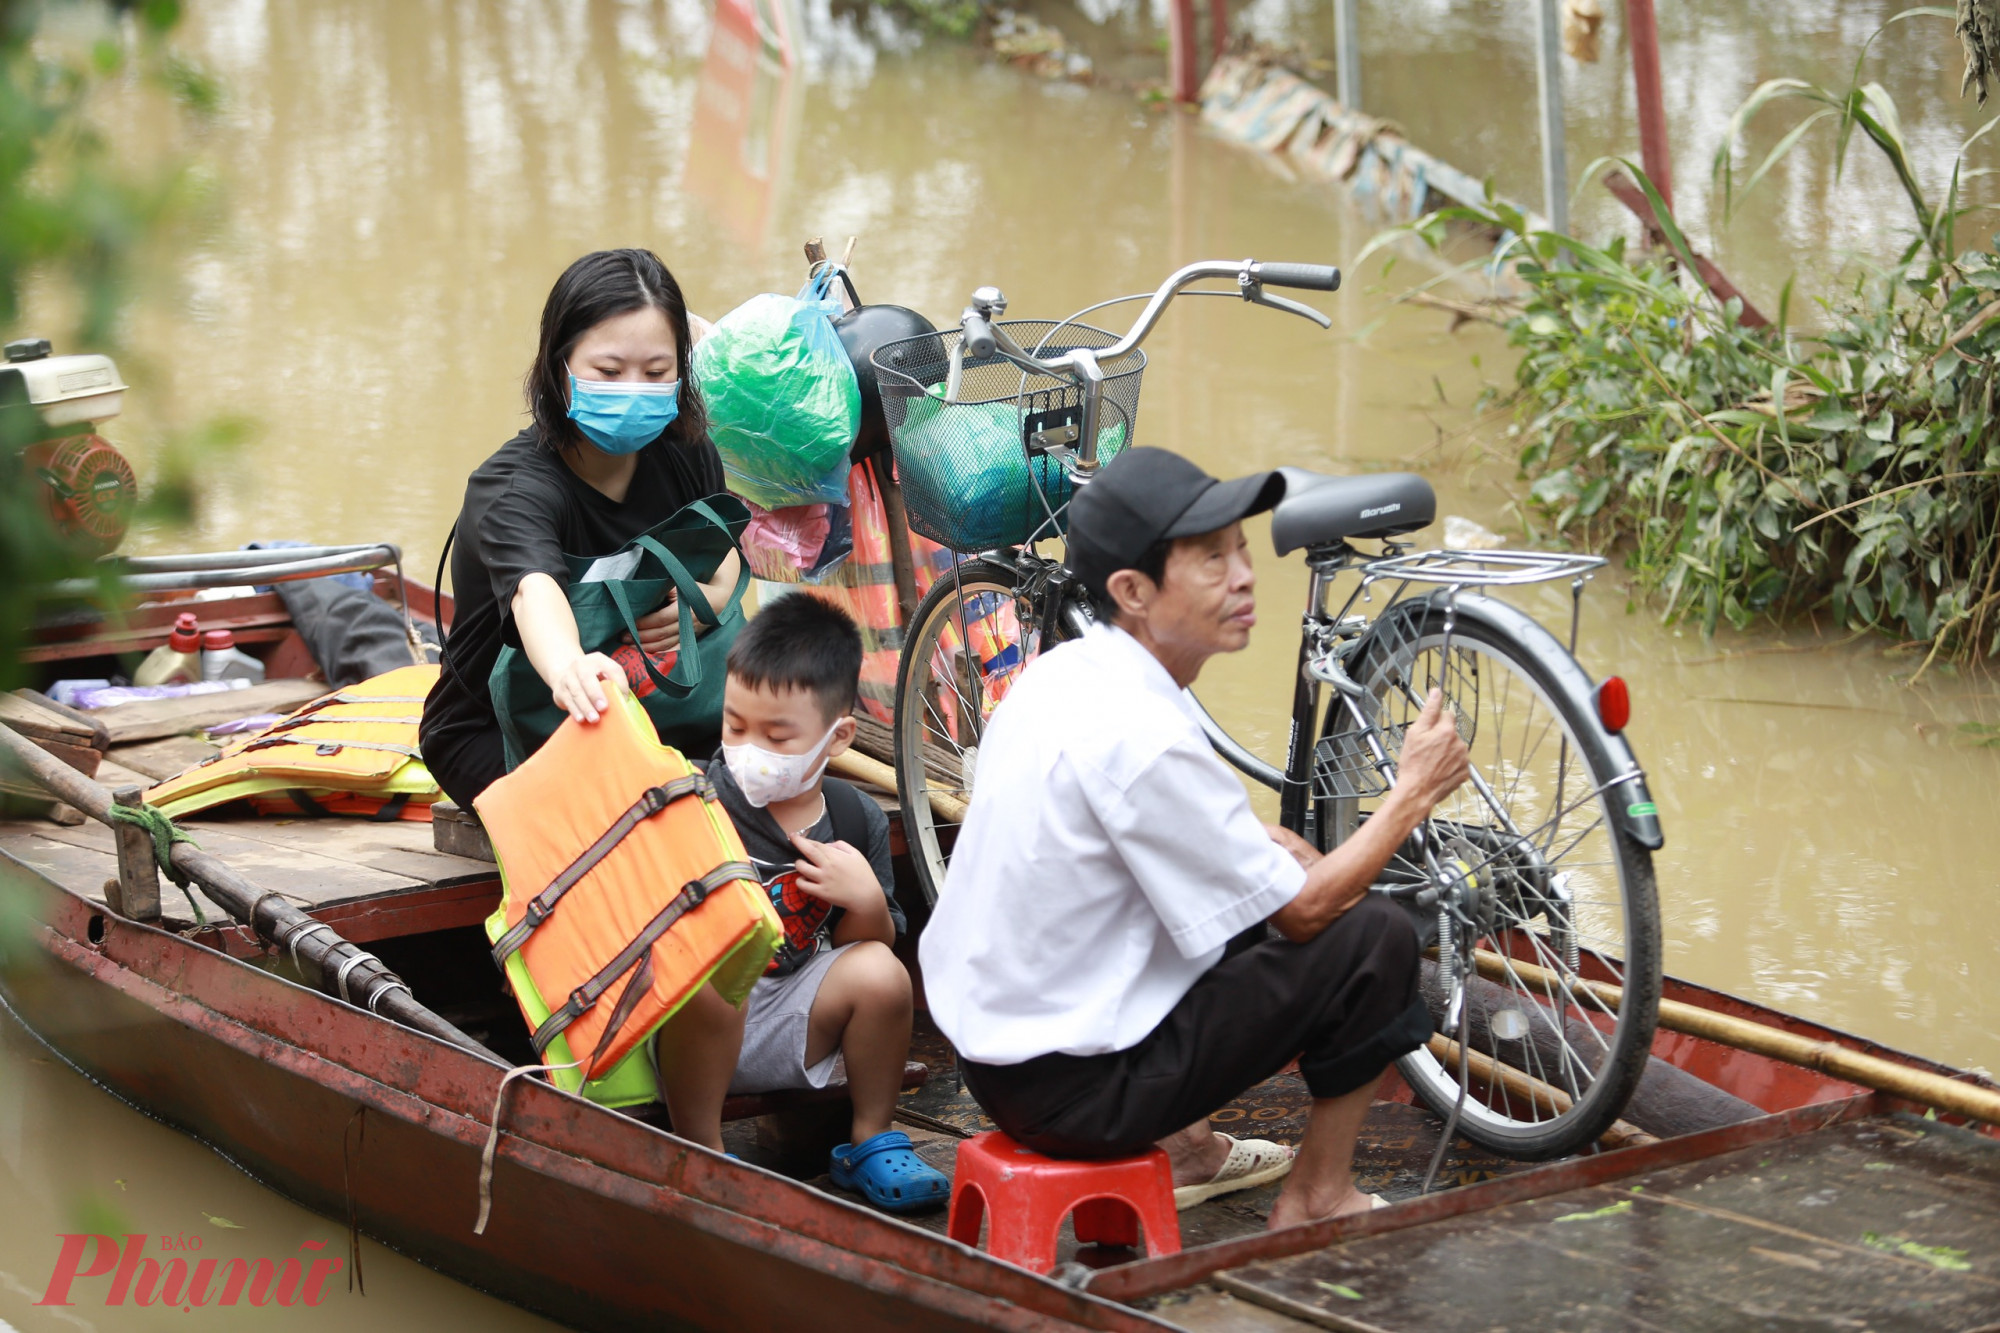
(221,659)
(178,661)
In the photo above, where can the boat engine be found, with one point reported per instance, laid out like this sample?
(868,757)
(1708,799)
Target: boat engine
(52,402)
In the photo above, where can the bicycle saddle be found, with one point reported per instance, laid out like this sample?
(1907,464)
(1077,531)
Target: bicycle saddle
(1319,510)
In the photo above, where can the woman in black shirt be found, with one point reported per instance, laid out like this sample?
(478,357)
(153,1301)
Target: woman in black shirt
(618,444)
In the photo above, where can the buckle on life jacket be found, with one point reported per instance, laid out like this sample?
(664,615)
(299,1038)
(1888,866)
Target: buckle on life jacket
(537,912)
(327,749)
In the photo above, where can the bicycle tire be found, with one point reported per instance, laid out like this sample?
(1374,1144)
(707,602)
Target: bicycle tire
(931,731)
(1599,910)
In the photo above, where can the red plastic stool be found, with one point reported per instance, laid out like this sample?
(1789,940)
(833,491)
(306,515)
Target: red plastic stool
(1028,1195)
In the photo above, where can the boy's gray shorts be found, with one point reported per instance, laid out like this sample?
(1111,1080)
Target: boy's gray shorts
(775,1022)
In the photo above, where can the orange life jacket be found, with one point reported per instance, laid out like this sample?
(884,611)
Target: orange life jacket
(625,888)
(351,752)
(865,587)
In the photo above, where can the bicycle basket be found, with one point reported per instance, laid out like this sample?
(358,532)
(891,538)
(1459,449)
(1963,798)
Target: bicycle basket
(972,478)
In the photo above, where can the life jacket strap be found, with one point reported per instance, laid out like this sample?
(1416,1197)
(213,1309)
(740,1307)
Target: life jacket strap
(650,803)
(308,805)
(691,896)
(324,747)
(319,720)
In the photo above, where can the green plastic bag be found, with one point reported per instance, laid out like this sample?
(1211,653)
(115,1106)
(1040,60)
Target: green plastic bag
(967,482)
(783,404)
(608,594)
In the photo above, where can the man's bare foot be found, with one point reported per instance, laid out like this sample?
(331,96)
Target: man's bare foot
(1291,1209)
(1195,1153)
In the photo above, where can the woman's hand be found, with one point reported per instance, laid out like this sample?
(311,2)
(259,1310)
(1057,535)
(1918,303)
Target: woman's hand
(579,686)
(660,631)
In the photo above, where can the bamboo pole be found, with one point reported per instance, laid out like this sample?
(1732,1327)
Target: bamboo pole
(367,982)
(1740,1034)
(1642,30)
(1519,1083)
(861,768)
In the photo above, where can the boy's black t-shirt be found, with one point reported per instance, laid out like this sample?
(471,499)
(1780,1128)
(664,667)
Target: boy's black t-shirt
(809,922)
(524,510)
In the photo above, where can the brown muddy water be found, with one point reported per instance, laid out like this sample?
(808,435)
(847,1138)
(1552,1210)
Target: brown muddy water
(404,181)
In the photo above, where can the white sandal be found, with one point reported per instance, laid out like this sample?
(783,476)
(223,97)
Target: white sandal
(1251,1162)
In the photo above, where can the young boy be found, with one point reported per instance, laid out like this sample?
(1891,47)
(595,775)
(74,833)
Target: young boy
(834,992)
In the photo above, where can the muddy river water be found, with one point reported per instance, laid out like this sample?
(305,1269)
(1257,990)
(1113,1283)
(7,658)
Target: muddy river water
(404,181)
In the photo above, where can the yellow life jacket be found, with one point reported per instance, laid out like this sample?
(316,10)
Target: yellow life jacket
(624,888)
(353,751)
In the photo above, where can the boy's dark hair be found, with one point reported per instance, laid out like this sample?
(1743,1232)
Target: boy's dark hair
(1153,564)
(801,642)
(597,287)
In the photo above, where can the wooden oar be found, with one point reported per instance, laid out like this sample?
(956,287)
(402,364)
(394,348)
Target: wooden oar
(1528,1088)
(861,768)
(1740,1034)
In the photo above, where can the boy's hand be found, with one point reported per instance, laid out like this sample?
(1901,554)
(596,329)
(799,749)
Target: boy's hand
(834,872)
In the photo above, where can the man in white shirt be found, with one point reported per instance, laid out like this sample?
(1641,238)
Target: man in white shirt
(1077,957)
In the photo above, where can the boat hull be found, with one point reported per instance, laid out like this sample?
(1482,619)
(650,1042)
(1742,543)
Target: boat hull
(598,1221)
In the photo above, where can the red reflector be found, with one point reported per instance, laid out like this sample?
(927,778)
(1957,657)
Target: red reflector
(1614,703)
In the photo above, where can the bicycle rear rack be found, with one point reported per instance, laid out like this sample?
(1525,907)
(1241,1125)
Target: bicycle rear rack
(1480,569)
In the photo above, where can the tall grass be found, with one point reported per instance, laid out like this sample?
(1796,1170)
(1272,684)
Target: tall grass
(1768,473)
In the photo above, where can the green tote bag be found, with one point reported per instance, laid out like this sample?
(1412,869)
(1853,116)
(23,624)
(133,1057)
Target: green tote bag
(608,594)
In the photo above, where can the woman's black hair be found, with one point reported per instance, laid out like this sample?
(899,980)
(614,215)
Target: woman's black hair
(595,288)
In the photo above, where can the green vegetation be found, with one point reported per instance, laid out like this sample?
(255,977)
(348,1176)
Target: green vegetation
(83,227)
(1769,472)
(951,18)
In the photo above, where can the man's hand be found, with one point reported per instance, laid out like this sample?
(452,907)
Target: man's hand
(1434,760)
(836,873)
(579,686)
(1302,851)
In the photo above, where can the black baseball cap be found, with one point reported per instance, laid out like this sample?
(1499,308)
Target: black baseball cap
(1146,495)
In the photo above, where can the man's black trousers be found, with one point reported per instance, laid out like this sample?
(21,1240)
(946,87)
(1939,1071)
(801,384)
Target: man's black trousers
(1345,1003)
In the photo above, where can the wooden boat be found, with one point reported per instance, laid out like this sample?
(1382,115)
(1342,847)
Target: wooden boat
(1835,1202)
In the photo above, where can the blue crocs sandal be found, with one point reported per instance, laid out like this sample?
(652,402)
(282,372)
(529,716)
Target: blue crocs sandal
(889,1174)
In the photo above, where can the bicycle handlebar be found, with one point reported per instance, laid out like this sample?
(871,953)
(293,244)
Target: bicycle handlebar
(1311,277)
(981,337)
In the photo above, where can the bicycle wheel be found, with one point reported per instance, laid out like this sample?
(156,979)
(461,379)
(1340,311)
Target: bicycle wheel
(1558,900)
(966,646)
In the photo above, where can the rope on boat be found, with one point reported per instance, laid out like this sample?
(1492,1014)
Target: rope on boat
(493,1138)
(165,833)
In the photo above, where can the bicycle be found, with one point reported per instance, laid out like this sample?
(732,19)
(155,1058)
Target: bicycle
(1532,886)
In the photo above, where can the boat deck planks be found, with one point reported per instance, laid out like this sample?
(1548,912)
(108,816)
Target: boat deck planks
(1887,1223)
(316,864)
(152,719)
(162,759)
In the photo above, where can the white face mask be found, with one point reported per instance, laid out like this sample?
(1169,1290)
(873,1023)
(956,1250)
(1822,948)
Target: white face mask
(765,775)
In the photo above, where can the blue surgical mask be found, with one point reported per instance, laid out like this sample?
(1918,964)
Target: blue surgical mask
(622,418)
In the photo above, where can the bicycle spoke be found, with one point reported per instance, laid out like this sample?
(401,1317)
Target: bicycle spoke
(1541,867)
